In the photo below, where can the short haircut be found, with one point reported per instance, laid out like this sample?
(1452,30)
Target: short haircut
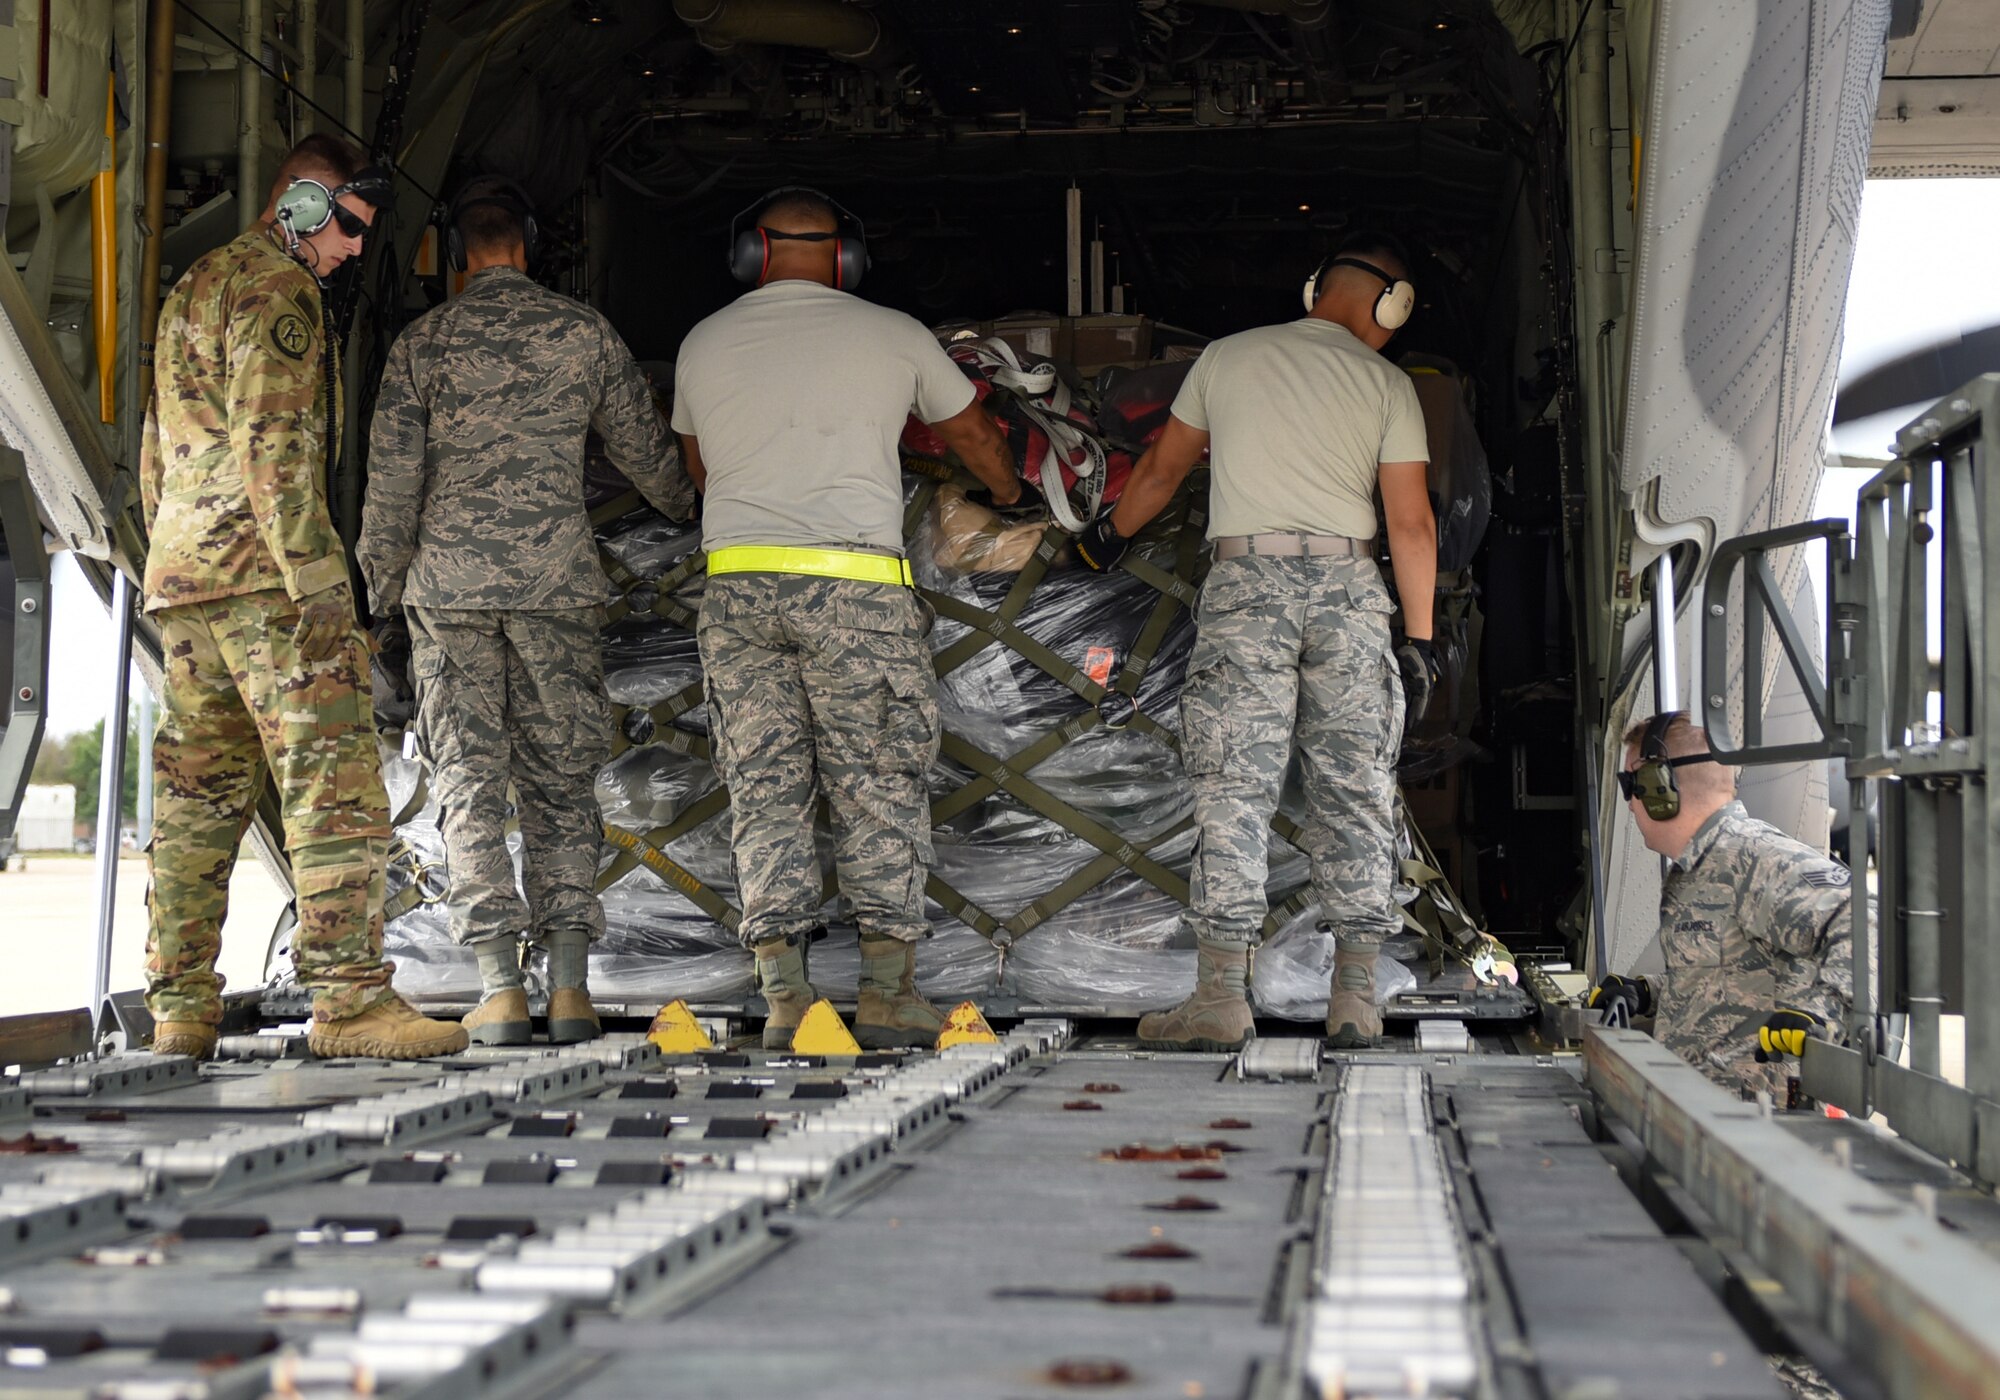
(1684,739)
(490,227)
(323,157)
(799,206)
(1372,245)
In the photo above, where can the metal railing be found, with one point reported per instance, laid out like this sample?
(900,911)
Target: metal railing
(1906,694)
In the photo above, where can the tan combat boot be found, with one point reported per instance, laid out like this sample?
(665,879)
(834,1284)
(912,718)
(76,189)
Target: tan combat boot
(1216,1016)
(388,1030)
(890,1014)
(572,1019)
(781,977)
(1353,1021)
(501,1018)
(192,1038)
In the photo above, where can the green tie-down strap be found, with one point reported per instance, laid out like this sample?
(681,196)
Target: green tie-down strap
(993,774)
(1179,589)
(663,715)
(638,850)
(665,604)
(403,858)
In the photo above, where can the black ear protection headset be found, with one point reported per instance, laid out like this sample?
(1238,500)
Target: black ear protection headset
(1652,782)
(750,244)
(1392,308)
(497,191)
(306,206)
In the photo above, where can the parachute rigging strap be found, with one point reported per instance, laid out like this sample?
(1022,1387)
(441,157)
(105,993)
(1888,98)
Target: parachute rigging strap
(419,798)
(625,503)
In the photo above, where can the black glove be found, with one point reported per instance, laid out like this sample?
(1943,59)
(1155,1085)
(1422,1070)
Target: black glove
(1786,1031)
(1100,546)
(392,653)
(1027,503)
(1619,999)
(1417,659)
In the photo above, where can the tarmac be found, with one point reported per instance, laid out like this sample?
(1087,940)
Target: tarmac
(48,929)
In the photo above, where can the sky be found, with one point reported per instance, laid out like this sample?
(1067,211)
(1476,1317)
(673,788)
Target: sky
(1923,270)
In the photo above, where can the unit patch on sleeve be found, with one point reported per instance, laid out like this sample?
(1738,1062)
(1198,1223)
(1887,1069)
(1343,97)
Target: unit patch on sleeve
(291,335)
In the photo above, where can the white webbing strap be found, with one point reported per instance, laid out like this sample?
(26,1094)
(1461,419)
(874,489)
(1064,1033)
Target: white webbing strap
(1044,399)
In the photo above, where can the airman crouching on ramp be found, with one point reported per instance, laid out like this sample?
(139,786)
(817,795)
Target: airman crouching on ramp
(1755,927)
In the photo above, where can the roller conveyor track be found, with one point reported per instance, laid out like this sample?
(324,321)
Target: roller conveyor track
(1033,1217)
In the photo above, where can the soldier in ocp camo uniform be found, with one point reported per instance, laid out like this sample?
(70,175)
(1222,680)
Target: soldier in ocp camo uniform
(264,663)
(1306,423)
(1755,928)
(475,526)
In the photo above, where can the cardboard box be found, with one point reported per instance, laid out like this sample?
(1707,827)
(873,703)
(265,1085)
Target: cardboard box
(1098,341)
(1034,337)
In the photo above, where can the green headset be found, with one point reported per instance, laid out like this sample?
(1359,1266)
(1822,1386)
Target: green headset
(307,205)
(1653,782)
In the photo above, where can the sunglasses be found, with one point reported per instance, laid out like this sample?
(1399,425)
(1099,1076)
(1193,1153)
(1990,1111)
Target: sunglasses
(351,223)
(1628,779)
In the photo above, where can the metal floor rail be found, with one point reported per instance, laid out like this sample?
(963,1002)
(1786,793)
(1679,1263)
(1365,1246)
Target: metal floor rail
(1036,1217)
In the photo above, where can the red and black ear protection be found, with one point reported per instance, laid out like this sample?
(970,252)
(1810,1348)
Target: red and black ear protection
(750,245)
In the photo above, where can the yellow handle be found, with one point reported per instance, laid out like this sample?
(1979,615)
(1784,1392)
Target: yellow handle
(104,261)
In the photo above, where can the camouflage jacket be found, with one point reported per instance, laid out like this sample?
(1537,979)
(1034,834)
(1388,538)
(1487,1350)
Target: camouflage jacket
(1750,920)
(232,463)
(475,457)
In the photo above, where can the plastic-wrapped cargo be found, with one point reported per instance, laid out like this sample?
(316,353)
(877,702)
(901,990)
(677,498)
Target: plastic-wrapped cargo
(1061,813)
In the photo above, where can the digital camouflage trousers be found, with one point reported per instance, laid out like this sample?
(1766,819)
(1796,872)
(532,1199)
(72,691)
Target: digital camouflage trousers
(822,686)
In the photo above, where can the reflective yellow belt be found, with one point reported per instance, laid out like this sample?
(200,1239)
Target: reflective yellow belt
(823,563)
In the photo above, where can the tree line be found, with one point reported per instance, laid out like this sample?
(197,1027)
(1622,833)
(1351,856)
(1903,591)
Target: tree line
(78,759)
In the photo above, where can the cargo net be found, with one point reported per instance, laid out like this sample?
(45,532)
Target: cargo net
(1061,816)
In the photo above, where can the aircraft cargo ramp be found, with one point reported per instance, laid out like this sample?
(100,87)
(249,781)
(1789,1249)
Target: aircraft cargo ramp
(1044,1215)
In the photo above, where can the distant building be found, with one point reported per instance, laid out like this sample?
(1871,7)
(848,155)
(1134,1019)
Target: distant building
(48,818)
